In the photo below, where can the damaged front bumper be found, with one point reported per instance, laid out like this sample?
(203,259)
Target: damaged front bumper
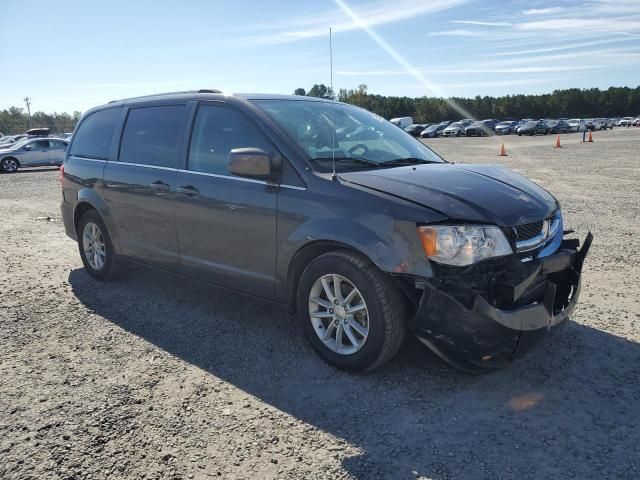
(484,316)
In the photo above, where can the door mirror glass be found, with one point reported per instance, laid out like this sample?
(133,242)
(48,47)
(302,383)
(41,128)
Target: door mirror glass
(250,162)
(27,147)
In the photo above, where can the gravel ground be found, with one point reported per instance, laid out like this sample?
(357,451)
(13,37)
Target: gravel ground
(150,377)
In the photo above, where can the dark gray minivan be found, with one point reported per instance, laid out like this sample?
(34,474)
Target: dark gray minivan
(327,209)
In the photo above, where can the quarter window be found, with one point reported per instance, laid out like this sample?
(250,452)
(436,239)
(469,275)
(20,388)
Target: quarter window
(95,134)
(152,134)
(218,130)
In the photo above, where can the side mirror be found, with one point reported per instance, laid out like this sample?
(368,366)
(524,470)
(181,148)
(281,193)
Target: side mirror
(27,147)
(252,163)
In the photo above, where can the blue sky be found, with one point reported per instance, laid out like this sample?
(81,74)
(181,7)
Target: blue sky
(86,53)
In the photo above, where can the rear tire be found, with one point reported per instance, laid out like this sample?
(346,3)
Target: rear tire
(381,321)
(96,248)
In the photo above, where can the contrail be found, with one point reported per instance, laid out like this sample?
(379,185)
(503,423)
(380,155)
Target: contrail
(410,69)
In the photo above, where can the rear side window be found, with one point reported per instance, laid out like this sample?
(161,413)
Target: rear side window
(40,144)
(151,135)
(217,131)
(95,134)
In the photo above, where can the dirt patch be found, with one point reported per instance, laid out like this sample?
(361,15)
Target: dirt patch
(150,377)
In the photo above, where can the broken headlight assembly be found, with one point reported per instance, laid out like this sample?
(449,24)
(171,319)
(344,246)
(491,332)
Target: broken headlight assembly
(462,245)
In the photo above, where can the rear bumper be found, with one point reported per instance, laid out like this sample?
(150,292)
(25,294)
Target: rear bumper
(479,320)
(66,209)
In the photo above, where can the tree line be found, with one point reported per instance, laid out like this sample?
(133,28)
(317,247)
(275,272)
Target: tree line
(15,120)
(572,102)
(569,103)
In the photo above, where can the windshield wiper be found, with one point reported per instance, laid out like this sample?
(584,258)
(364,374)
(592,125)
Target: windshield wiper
(408,161)
(362,161)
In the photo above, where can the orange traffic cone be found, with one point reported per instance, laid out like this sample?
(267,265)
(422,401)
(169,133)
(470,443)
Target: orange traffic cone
(503,152)
(558,141)
(590,137)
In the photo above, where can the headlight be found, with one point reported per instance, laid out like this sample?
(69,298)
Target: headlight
(462,245)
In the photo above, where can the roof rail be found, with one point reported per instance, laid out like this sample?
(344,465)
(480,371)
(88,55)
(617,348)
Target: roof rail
(202,90)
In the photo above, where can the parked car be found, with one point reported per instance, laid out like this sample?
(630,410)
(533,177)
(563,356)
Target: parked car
(506,127)
(365,241)
(434,130)
(625,122)
(558,126)
(636,122)
(8,140)
(604,123)
(522,122)
(32,153)
(416,129)
(577,125)
(593,124)
(481,129)
(533,127)
(402,122)
(455,129)
(38,132)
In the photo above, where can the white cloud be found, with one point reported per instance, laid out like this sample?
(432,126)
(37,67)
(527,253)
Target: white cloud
(543,11)
(572,46)
(592,25)
(371,14)
(455,33)
(481,23)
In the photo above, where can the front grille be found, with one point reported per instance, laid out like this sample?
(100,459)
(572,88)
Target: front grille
(528,231)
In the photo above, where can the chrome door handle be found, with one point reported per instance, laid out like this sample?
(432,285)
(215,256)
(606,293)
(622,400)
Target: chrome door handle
(188,190)
(160,186)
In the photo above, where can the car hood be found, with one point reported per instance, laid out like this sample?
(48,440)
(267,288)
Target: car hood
(478,193)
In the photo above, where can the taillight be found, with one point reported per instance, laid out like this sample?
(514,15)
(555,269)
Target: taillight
(61,176)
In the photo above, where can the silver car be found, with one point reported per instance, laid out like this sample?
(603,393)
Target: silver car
(36,152)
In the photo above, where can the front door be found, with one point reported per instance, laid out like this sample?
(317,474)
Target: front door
(140,188)
(226,224)
(37,155)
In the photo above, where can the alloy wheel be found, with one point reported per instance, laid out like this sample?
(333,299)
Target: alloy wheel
(9,165)
(339,314)
(93,246)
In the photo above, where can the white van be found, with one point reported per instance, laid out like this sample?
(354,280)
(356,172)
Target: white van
(402,122)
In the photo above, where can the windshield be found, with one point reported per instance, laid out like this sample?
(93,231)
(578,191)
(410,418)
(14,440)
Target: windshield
(20,143)
(505,124)
(454,125)
(530,124)
(357,138)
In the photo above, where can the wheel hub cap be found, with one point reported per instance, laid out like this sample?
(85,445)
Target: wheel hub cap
(93,246)
(339,314)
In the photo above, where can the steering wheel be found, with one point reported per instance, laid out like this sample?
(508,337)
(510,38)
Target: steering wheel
(357,146)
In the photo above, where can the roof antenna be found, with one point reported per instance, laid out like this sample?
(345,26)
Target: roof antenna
(334,175)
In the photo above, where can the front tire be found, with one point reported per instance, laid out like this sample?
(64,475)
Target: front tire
(96,248)
(9,165)
(352,314)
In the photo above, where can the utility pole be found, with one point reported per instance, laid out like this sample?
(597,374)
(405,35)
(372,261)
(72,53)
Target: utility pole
(27,100)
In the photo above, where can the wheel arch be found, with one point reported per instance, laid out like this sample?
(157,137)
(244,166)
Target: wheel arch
(81,208)
(305,255)
(89,199)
